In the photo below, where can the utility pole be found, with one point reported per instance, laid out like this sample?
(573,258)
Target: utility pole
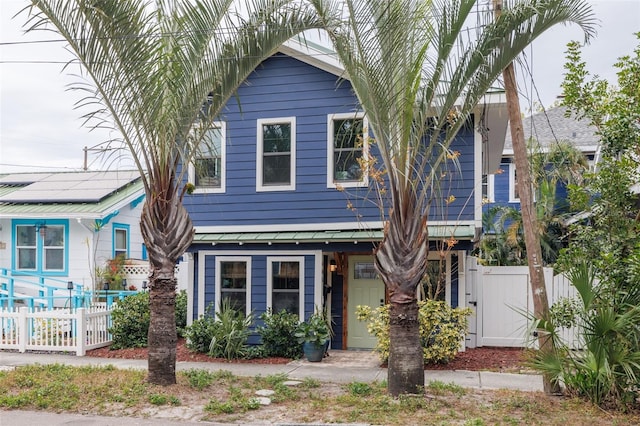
(95,148)
(529,218)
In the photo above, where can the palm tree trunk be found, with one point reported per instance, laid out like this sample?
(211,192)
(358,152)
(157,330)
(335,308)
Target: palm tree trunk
(406,365)
(167,231)
(401,262)
(162,337)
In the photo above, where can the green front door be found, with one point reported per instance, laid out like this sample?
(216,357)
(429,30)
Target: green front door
(364,288)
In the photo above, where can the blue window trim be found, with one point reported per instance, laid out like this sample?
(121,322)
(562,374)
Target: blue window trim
(145,255)
(115,227)
(39,247)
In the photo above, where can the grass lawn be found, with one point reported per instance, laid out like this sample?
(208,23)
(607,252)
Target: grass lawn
(223,397)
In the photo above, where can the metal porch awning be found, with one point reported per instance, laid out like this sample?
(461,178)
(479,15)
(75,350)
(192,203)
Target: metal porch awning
(463,232)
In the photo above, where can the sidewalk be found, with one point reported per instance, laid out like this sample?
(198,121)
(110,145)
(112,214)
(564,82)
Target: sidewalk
(339,367)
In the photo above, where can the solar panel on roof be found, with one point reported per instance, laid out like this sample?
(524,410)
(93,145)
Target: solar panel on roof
(22,178)
(87,187)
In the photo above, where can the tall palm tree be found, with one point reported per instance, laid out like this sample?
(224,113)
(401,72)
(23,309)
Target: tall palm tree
(160,73)
(418,74)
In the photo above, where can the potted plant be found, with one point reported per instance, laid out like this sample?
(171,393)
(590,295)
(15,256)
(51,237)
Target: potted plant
(313,334)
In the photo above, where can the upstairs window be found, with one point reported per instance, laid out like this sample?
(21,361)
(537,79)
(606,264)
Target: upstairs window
(207,172)
(514,196)
(347,148)
(276,160)
(488,193)
(40,247)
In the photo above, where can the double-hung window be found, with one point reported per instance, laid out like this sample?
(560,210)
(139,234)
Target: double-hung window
(207,171)
(514,196)
(347,149)
(40,246)
(233,283)
(276,154)
(285,285)
(120,240)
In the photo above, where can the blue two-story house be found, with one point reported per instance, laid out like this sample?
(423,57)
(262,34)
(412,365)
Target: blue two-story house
(284,208)
(546,129)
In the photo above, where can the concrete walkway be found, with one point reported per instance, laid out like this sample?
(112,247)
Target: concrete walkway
(339,367)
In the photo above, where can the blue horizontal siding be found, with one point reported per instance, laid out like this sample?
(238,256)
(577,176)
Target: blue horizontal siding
(258,282)
(285,87)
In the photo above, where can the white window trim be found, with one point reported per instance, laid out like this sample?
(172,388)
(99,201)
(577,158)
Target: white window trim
(491,192)
(223,163)
(260,187)
(331,183)
(300,260)
(121,227)
(218,296)
(512,183)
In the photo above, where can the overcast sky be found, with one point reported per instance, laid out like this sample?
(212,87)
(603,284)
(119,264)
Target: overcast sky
(40,130)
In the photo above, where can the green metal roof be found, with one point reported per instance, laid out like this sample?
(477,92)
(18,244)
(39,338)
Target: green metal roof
(444,231)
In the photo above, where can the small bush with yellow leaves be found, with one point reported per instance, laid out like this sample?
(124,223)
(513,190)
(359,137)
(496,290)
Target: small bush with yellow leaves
(442,329)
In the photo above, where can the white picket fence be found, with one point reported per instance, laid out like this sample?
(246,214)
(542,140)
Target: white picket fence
(58,330)
(502,301)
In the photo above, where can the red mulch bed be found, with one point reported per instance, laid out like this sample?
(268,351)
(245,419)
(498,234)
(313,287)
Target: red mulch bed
(494,359)
(486,358)
(182,354)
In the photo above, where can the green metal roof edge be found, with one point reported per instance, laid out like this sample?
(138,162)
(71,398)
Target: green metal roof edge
(99,208)
(436,231)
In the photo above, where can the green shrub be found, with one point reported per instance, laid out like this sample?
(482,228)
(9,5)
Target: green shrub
(200,332)
(606,369)
(181,312)
(130,320)
(254,352)
(231,332)
(224,336)
(442,329)
(278,334)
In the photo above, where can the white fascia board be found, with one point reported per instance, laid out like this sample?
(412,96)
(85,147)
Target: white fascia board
(364,226)
(322,59)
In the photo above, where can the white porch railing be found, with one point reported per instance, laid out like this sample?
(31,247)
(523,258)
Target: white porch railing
(58,330)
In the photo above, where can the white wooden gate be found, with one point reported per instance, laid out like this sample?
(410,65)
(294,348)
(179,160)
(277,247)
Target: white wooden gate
(501,299)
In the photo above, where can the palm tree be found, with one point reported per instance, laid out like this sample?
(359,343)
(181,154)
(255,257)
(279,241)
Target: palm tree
(160,74)
(418,74)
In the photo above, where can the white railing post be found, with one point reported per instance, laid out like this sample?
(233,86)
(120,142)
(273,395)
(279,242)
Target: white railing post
(23,329)
(81,331)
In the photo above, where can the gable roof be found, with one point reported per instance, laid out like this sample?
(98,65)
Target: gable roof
(551,126)
(80,195)
(491,107)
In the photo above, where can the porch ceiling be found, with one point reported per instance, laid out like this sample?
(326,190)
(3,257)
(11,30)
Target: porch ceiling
(464,232)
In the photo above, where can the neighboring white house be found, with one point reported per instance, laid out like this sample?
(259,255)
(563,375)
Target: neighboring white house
(62,226)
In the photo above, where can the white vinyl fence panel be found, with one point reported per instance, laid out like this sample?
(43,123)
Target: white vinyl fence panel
(503,304)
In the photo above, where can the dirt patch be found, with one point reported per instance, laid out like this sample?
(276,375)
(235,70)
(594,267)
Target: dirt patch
(493,359)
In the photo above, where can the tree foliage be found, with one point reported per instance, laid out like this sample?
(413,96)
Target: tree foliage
(603,257)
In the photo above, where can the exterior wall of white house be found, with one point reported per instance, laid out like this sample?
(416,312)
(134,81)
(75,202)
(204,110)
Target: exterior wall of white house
(86,248)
